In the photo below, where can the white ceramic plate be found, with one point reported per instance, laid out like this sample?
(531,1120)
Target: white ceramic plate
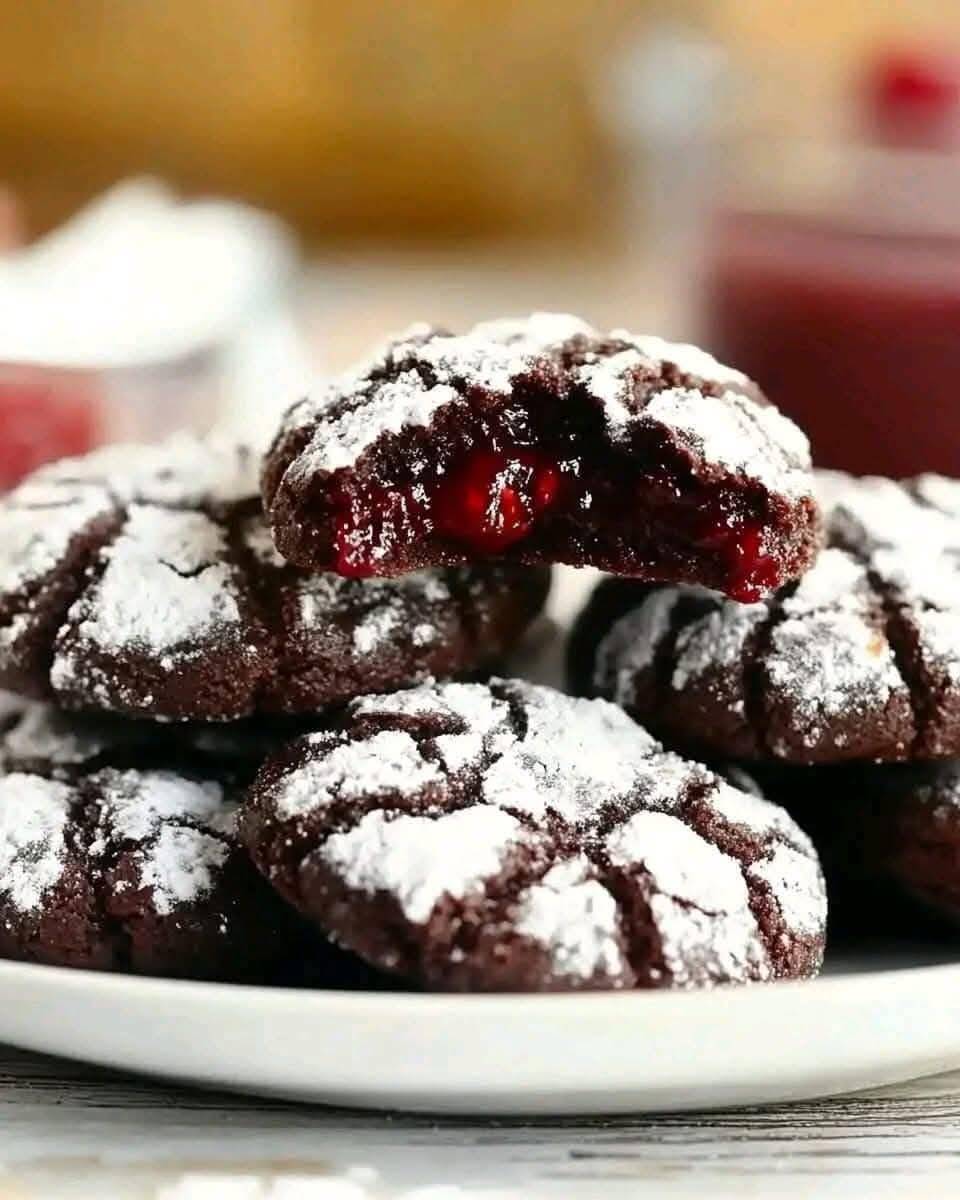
(544,1055)
(886,1015)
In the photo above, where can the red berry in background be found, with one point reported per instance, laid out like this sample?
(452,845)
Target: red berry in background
(43,416)
(912,95)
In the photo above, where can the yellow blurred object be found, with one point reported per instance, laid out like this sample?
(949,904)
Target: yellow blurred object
(369,117)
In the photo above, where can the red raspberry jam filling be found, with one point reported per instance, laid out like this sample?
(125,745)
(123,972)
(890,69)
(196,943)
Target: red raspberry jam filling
(493,500)
(751,572)
(369,524)
(489,500)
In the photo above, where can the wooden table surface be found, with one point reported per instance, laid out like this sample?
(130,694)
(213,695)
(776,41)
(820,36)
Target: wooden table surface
(73,1131)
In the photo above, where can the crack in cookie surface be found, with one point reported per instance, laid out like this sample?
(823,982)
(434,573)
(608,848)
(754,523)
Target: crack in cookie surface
(863,657)
(508,837)
(142,580)
(112,866)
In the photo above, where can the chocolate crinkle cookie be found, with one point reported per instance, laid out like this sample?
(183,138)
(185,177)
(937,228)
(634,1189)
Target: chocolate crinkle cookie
(506,837)
(539,441)
(859,660)
(142,580)
(887,834)
(114,866)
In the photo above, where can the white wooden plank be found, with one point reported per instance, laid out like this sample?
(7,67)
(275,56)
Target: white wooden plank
(70,1130)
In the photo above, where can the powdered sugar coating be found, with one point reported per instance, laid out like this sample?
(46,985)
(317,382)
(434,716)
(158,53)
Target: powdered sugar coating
(793,878)
(859,659)
(40,735)
(419,860)
(716,639)
(166,582)
(39,524)
(111,866)
(389,763)
(575,917)
(732,431)
(181,472)
(143,580)
(515,810)
(33,822)
(737,435)
(699,896)
(181,828)
(395,406)
(632,644)
(358,477)
(826,666)
(181,867)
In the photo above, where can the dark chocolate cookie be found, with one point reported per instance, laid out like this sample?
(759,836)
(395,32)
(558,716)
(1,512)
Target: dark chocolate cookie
(142,580)
(114,866)
(507,837)
(543,441)
(859,660)
(886,834)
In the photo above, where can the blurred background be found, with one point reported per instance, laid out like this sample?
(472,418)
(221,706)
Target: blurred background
(205,203)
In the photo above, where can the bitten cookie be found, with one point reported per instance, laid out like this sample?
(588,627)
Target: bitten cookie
(859,660)
(507,837)
(541,441)
(142,580)
(114,866)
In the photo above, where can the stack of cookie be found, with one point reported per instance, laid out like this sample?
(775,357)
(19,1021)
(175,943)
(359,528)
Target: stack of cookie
(237,731)
(841,692)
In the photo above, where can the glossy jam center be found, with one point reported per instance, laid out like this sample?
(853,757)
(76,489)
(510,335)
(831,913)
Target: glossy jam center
(751,572)
(492,500)
(488,501)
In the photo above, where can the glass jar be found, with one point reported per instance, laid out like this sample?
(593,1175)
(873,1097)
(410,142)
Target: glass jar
(832,277)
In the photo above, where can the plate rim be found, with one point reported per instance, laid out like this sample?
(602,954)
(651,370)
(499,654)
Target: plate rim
(78,978)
